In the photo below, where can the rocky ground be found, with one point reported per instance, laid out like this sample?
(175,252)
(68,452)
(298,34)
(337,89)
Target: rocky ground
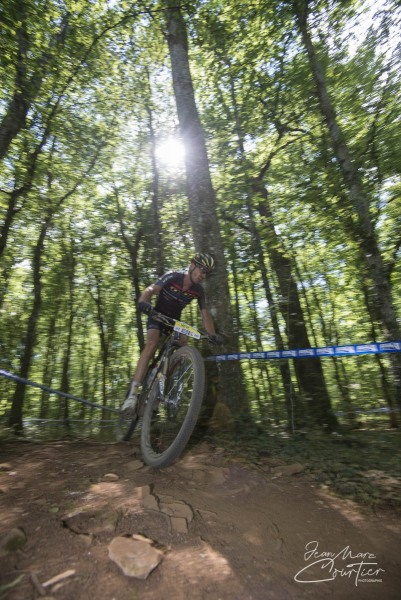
(83,520)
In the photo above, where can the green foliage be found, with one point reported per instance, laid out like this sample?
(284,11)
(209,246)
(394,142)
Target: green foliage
(96,82)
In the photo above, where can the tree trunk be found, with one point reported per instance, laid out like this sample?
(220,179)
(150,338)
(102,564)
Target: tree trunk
(49,364)
(374,263)
(65,377)
(28,74)
(104,334)
(22,190)
(133,250)
(309,371)
(292,401)
(291,398)
(15,417)
(15,115)
(10,213)
(202,205)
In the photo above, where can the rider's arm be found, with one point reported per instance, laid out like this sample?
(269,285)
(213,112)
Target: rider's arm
(150,291)
(208,321)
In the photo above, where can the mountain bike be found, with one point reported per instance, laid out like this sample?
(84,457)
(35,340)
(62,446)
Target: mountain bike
(172,394)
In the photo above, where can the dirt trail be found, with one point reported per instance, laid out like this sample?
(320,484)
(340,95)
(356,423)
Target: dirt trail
(242,531)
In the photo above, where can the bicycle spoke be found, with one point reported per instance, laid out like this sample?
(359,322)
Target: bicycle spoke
(169,421)
(173,409)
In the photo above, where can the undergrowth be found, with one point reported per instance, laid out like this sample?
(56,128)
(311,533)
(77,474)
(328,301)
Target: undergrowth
(363,465)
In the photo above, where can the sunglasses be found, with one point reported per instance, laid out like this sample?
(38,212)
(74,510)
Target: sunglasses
(203,269)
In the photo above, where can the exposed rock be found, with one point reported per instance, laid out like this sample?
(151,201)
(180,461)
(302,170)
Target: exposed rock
(150,502)
(91,523)
(143,491)
(179,513)
(177,509)
(179,524)
(142,538)
(110,477)
(136,558)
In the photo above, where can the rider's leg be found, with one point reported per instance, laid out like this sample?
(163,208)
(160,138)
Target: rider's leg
(147,354)
(152,341)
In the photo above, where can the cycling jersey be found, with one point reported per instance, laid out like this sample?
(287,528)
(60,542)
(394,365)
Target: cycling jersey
(173,299)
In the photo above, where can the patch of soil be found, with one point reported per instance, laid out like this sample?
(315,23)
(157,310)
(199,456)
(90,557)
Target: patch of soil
(242,531)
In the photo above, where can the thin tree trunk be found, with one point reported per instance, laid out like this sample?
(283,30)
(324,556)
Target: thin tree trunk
(133,250)
(104,334)
(15,417)
(49,362)
(65,377)
(309,370)
(264,406)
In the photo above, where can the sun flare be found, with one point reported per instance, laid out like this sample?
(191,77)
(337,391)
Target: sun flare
(170,153)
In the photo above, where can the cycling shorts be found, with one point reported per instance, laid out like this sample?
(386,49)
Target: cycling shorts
(154,324)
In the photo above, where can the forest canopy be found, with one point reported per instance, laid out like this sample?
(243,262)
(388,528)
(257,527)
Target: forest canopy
(265,133)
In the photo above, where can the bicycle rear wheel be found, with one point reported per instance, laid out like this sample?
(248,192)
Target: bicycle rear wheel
(170,418)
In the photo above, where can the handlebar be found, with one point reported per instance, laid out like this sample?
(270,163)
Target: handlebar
(184,328)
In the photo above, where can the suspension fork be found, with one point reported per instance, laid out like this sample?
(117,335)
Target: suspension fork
(169,350)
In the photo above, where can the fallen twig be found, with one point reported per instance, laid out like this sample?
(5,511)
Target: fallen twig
(39,587)
(59,577)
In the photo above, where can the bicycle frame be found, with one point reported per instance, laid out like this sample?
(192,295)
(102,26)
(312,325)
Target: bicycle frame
(159,365)
(172,395)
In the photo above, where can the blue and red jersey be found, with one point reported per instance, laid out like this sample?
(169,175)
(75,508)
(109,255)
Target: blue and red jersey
(173,299)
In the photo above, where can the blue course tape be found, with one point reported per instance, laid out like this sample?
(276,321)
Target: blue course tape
(58,393)
(348,350)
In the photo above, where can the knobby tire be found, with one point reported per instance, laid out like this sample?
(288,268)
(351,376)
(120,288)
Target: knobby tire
(131,428)
(169,421)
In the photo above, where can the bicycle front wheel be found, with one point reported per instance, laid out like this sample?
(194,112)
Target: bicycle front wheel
(170,418)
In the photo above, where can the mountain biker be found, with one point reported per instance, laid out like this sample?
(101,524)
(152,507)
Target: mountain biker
(174,290)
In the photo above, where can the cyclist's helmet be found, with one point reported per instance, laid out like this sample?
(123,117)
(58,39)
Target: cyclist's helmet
(204,260)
